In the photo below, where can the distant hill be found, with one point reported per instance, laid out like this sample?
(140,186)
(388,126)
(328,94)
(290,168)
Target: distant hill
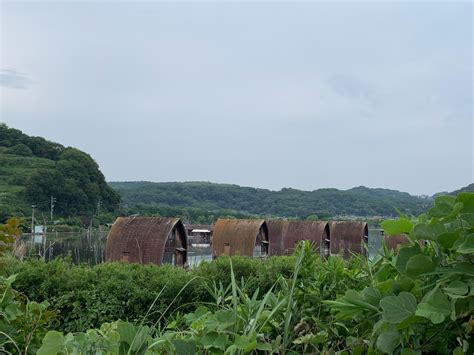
(32,169)
(206,197)
(468,188)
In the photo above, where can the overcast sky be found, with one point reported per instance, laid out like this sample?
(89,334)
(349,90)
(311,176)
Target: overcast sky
(269,95)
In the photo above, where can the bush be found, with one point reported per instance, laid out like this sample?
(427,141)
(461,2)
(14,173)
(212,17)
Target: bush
(86,297)
(421,297)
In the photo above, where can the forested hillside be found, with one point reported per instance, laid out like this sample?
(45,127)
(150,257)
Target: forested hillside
(32,169)
(205,197)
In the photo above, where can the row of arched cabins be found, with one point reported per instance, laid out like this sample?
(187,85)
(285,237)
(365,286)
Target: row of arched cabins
(162,240)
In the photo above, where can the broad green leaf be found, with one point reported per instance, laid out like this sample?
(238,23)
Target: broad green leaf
(467,245)
(157,344)
(402,284)
(241,341)
(53,343)
(385,287)
(463,268)
(127,332)
(221,341)
(398,226)
(388,341)
(428,231)
(471,287)
(419,264)
(140,339)
(372,295)
(404,254)
(435,306)
(406,351)
(456,288)
(467,199)
(251,346)
(447,239)
(398,308)
(226,317)
(264,346)
(467,219)
(183,347)
(214,339)
(443,206)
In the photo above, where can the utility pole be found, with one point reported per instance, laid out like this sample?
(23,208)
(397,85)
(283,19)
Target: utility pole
(53,200)
(33,220)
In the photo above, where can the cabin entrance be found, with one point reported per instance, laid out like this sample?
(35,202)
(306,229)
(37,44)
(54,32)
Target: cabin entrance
(261,245)
(174,254)
(169,256)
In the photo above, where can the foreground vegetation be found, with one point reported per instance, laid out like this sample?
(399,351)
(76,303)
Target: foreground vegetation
(418,299)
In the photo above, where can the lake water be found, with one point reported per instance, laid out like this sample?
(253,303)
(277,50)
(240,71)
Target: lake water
(90,247)
(86,247)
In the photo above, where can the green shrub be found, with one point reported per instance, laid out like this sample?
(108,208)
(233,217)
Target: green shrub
(421,297)
(23,323)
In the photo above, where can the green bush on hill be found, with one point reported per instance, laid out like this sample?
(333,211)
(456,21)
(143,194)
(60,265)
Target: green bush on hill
(33,169)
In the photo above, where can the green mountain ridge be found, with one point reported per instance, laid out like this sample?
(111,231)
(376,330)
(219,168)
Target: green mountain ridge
(207,197)
(32,169)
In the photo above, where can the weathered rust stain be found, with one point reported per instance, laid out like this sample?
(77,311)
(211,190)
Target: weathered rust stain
(285,235)
(349,237)
(143,240)
(237,236)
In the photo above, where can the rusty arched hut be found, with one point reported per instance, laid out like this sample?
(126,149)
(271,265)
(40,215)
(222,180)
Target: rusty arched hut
(247,237)
(146,240)
(349,237)
(284,236)
(395,242)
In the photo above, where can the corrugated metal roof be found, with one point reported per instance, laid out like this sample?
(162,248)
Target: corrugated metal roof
(285,235)
(237,236)
(348,236)
(143,239)
(396,241)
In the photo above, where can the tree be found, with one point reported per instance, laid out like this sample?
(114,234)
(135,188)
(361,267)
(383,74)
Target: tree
(20,149)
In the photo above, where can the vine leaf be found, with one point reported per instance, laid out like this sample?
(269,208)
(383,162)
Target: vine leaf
(396,227)
(388,341)
(404,254)
(435,306)
(53,343)
(419,264)
(467,245)
(396,309)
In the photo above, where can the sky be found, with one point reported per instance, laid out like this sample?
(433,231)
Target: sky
(304,95)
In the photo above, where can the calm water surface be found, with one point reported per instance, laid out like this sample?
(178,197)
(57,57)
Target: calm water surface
(84,247)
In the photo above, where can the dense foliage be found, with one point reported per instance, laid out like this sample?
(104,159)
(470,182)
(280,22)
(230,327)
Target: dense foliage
(416,299)
(163,302)
(209,198)
(33,169)
(421,298)
(86,297)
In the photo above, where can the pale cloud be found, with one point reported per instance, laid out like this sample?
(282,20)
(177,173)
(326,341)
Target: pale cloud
(13,80)
(305,95)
